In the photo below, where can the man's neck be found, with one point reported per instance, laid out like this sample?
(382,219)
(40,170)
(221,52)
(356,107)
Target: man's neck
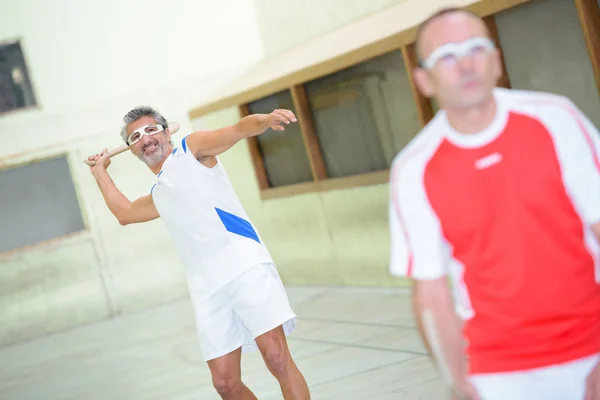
(156,168)
(474,119)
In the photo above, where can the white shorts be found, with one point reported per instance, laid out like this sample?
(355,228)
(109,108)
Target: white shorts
(252,304)
(557,382)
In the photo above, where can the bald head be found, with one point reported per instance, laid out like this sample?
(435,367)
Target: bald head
(441,27)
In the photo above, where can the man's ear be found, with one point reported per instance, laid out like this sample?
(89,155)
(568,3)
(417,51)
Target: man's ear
(423,82)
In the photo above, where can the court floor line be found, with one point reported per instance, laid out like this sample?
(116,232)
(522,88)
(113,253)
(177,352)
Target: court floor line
(358,346)
(352,375)
(340,321)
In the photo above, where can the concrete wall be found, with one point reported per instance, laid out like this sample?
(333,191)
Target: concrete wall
(341,237)
(284,24)
(90,62)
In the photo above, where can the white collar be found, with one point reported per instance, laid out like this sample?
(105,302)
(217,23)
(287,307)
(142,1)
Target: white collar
(484,137)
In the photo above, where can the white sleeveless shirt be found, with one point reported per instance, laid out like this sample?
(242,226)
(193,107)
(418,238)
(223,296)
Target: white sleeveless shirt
(210,229)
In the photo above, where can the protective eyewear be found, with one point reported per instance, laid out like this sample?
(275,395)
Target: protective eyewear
(449,54)
(149,130)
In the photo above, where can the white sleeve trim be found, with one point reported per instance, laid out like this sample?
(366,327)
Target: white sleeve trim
(417,245)
(577,142)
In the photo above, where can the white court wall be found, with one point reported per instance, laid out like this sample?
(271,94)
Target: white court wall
(285,24)
(90,62)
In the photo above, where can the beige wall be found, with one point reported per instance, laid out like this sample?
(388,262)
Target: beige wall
(284,24)
(341,237)
(91,62)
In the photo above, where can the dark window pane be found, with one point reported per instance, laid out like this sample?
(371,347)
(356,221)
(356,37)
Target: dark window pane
(37,202)
(364,115)
(284,153)
(544,49)
(15,86)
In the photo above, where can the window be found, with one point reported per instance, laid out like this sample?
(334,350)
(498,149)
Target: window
(351,123)
(282,153)
(37,203)
(15,87)
(363,115)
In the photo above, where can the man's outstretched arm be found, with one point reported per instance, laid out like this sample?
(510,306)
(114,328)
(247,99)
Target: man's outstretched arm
(126,212)
(213,143)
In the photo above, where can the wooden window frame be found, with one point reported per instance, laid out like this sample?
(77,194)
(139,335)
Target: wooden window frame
(589,16)
(589,19)
(320,181)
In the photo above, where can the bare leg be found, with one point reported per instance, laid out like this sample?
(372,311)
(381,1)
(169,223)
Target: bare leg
(276,354)
(226,374)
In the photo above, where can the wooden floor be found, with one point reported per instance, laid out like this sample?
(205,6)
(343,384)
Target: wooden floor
(350,344)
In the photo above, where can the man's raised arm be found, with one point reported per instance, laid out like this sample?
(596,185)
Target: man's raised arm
(126,212)
(213,143)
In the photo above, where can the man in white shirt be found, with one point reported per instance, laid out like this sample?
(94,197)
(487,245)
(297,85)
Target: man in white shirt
(238,297)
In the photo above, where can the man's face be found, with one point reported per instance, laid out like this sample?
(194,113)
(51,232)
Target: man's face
(464,75)
(151,149)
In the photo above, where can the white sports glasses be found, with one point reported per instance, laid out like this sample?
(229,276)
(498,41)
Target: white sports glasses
(149,130)
(449,53)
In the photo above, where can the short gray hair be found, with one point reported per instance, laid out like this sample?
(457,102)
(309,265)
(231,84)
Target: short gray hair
(139,112)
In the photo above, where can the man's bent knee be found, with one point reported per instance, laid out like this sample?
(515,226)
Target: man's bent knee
(227,388)
(279,361)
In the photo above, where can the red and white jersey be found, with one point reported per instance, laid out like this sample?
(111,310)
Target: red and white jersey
(506,213)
